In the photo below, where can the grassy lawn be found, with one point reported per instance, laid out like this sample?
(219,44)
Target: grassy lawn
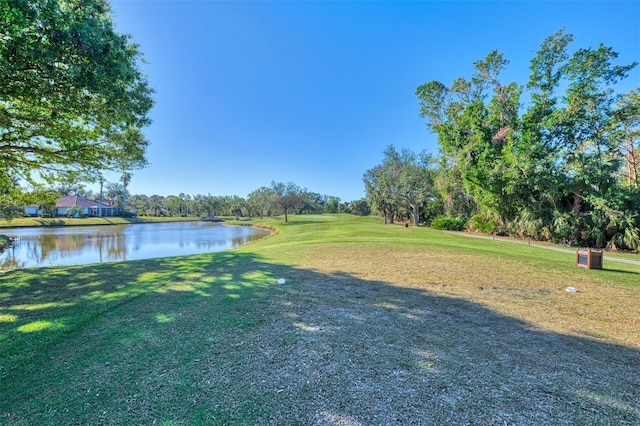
(66,221)
(375,325)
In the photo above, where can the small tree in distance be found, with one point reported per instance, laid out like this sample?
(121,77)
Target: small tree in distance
(260,200)
(74,211)
(286,196)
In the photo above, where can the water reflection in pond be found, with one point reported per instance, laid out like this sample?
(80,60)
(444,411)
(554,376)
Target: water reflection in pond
(80,245)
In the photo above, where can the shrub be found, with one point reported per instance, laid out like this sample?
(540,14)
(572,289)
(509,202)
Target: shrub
(4,242)
(483,223)
(563,227)
(449,223)
(74,211)
(623,232)
(527,225)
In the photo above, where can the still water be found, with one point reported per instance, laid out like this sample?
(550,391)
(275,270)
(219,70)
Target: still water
(80,245)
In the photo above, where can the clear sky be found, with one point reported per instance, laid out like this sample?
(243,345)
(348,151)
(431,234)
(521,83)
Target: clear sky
(250,92)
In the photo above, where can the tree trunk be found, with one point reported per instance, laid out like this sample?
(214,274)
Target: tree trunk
(100,202)
(416,214)
(632,164)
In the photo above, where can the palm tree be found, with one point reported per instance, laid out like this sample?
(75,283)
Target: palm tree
(126,178)
(100,202)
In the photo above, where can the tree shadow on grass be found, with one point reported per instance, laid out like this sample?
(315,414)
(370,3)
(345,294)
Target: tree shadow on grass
(50,222)
(620,271)
(213,339)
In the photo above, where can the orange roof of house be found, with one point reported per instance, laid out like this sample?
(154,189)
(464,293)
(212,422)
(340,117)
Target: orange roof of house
(72,200)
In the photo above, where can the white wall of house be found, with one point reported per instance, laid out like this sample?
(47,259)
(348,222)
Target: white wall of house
(62,211)
(32,211)
(107,211)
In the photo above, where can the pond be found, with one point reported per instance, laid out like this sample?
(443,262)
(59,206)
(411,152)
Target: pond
(80,245)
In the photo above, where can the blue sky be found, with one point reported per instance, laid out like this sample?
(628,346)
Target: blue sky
(250,92)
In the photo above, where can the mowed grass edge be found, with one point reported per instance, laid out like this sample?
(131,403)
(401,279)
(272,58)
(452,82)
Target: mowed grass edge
(374,324)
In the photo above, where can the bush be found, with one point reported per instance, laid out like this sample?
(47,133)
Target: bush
(4,242)
(449,223)
(74,211)
(481,222)
(527,225)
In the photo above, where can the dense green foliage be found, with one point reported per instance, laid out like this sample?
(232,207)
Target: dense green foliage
(4,242)
(74,211)
(73,99)
(261,202)
(401,185)
(449,223)
(264,201)
(563,166)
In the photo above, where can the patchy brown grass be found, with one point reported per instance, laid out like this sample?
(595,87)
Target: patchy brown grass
(533,291)
(374,325)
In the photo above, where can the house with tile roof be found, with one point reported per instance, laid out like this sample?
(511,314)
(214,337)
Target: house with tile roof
(89,207)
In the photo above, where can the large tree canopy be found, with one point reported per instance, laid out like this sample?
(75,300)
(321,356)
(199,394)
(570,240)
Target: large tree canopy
(73,99)
(403,181)
(286,197)
(562,166)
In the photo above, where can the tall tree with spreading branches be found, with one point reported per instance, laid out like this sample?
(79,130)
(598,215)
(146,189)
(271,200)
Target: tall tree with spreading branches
(286,197)
(563,166)
(73,98)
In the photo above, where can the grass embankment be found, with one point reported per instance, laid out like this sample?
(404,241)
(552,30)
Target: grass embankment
(374,325)
(88,221)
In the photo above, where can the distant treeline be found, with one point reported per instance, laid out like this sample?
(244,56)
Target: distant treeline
(279,198)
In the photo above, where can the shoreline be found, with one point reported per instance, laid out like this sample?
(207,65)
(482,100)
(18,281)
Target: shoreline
(92,221)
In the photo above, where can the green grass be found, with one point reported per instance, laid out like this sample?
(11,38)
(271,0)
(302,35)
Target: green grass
(375,325)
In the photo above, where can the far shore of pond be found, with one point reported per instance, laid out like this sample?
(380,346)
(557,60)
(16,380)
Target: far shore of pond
(38,222)
(94,221)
